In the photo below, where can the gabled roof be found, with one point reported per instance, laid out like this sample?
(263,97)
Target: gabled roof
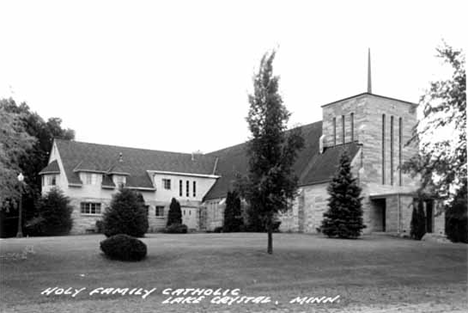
(88,157)
(51,168)
(311,167)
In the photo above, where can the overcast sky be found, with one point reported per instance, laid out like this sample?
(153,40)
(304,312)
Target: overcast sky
(175,75)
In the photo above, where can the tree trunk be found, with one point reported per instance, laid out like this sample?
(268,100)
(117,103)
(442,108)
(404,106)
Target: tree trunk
(270,237)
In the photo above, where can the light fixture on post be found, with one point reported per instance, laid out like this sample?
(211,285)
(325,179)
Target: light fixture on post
(20,213)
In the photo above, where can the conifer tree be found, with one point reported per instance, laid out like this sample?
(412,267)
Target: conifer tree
(175,213)
(418,221)
(126,215)
(232,213)
(343,219)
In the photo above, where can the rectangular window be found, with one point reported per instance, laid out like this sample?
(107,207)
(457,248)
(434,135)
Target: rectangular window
(187,187)
(352,127)
(91,208)
(180,188)
(194,189)
(400,132)
(51,180)
(159,211)
(166,183)
(334,131)
(391,150)
(343,134)
(89,178)
(120,181)
(383,149)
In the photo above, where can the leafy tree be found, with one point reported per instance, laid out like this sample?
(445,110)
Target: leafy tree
(175,213)
(343,218)
(271,183)
(126,215)
(39,135)
(14,143)
(54,215)
(232,213)
(418,220)
(442,163)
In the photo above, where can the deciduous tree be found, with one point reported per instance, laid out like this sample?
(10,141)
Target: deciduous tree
(271,183)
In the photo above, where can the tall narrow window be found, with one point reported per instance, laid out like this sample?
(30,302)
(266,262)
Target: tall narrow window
(352,127)
(391,150)
(187,187)
(343,133)
(194,189)
(334,131)
(400,134)
(180,188)
(383,149)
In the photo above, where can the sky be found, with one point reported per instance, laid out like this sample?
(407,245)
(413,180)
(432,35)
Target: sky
(175,75)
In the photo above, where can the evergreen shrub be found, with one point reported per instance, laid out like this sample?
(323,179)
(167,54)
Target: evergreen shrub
(54,215)
(126,215)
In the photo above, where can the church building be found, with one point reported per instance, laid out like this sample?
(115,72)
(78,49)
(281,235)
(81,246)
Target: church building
(373,129)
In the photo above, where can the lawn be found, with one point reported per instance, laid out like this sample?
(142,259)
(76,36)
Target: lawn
(372,274)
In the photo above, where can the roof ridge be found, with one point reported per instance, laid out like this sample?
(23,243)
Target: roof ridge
(123,147)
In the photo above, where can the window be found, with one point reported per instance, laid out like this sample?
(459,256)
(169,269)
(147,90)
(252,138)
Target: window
(383,149)
(89,178)
(51,180)
(334,131)
(166,183)
(120,181)
(187,187)
(391,150)
(90,208)
(180,188)
(352,127)
(343,135)
(159,211)
(194,189)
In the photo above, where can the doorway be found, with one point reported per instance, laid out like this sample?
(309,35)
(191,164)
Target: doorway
(380,215)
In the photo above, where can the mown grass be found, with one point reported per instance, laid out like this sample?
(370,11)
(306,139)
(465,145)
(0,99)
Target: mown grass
(374,271)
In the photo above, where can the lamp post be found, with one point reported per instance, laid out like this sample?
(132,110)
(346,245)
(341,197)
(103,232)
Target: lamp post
(20,227)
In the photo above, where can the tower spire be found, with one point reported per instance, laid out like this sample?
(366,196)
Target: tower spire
(369,77)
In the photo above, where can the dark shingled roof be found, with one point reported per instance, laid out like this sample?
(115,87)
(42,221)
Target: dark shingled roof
(51,168)
(311,167)
(80,156)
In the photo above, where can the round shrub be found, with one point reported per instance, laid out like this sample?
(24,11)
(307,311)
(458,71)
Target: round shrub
(124,248)
(176,229)
(126,215)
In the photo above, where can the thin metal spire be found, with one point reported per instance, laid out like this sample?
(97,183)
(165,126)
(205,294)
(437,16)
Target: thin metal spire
(369,77)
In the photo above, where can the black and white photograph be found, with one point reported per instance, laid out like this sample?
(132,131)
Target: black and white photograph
(233,156)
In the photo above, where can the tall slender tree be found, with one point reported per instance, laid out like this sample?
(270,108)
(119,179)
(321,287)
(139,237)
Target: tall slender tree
(271,183)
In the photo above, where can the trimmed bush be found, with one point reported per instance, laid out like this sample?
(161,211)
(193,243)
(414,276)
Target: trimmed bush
(124,248)
(126,215)
(176,229)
